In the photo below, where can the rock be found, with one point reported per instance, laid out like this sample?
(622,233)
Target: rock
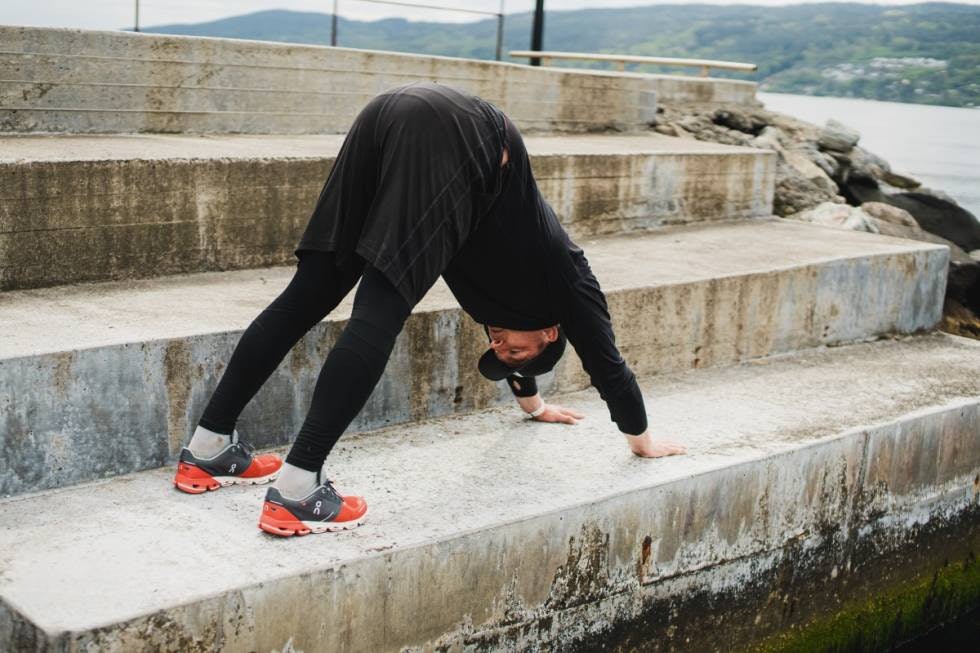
(859,190)
(900,181)
(695,123)
(975,255)
(667,129)
(769,138)
(837,136)
(795,193)
(735,118)
(719,134)
(826,162)
(889,213)
(960,320)
(886,228)
(839,215)
(681,132)
(809,170)
(935,192)
(865,164)
(938,216)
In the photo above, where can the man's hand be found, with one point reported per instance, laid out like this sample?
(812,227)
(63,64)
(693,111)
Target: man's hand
(555,413)
(645,446)
(545,412)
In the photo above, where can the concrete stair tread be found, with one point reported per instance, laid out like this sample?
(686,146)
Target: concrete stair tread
(82,316)
(455,477)
(15,148)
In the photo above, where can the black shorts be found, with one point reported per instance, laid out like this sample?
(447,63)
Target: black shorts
(418,169)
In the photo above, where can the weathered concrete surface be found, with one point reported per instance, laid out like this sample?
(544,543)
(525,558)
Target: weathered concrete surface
(688,296)
(68,80)
(93,208)
(807,475)
(690,88)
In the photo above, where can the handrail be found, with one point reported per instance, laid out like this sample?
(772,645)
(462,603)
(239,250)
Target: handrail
(622,59)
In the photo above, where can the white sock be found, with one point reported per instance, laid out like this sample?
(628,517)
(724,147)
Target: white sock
(205,443)
(295,482)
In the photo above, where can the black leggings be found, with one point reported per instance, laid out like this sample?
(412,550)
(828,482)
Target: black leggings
(351,370)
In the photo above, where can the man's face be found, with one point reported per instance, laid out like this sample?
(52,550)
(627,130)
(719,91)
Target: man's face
(514,347)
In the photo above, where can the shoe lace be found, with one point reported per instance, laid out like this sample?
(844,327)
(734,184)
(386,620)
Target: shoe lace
(328,484)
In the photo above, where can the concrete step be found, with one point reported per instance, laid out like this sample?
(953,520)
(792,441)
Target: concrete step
(102,379)
(815,480)
(690,88)
(78,81)
(92,208)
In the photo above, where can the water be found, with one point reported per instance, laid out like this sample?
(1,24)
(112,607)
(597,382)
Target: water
(939,146)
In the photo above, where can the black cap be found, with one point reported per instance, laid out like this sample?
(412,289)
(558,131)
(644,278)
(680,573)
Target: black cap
(495,369)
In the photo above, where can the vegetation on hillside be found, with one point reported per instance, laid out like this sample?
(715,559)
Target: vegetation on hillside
(926,53)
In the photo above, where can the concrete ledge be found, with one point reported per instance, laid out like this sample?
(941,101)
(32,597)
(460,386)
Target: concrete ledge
(687,296)
(93,208)
(691,88)
(489,532)
(83,208)
(65,80)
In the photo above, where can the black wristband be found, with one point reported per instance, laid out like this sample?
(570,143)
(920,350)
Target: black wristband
(522,386)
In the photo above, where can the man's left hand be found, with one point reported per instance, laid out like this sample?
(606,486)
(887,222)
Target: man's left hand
(559,414)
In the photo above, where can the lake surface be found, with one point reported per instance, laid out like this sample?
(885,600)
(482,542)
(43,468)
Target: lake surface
(939,146)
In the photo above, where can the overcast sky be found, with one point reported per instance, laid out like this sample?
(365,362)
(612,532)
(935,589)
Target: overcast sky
(115,14)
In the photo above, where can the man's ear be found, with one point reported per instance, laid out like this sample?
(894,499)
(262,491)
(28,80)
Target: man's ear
(551,333)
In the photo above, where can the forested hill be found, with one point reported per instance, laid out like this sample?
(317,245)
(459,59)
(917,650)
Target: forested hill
(927,53)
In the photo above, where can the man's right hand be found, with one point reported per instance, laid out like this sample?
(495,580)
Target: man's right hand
(646,446)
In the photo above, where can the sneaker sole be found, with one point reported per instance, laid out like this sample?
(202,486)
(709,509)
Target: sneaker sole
(201,485)
(289,526)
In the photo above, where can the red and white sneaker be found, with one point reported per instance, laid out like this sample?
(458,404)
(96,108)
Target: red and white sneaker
(236,464)
(323,510)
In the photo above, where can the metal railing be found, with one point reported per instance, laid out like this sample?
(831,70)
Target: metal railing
(499,15)
(622,59)
(333,19)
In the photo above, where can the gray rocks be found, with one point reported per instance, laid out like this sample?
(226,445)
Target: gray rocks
(888,213)
(823,176)
(739,119)
(901,181)
(837,136)
(865,164)
(795,193)
(770,138)
(941,217)
(838,215)
(809,170)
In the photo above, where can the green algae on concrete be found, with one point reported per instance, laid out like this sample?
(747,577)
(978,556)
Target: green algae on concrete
(888,619)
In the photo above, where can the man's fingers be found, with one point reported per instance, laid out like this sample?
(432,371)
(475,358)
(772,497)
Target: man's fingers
(570,411)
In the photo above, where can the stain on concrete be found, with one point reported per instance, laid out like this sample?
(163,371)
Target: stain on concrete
(178,381)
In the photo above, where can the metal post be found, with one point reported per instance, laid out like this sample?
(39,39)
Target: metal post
(537,30)
(333,25)
(500,31)
(136,22)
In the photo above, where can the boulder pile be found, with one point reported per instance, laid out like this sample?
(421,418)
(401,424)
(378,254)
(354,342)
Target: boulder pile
(824,176)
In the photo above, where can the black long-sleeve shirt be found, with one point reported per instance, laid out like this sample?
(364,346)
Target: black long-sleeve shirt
(520,270)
